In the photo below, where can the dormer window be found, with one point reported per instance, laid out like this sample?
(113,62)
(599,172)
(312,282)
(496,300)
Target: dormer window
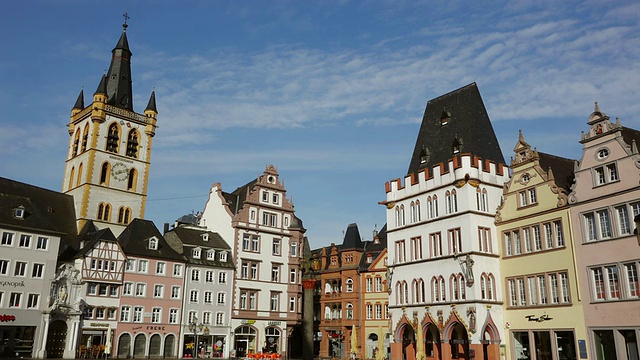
(424,155)
(18,212)
(369,259)
(205,237)
(456,146)
(445,117)
(211,254)
(223,256)
(153,244)
(196,253)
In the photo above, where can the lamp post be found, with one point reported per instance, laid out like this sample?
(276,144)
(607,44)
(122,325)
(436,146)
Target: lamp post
(194,327)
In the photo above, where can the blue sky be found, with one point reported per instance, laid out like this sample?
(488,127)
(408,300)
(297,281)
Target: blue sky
(330,92)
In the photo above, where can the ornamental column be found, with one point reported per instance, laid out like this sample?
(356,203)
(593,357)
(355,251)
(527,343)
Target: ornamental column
(309,285)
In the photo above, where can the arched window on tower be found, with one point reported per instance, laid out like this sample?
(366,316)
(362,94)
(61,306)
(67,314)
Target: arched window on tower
(124,213)
(104,211)
(132,143)
(85,137)
(71,178)
(79,179)
(104,174)
(132,180)
(418,215)
(113,138)
(76,141)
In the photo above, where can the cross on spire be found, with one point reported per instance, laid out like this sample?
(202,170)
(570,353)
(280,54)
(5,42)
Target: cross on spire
(126,17)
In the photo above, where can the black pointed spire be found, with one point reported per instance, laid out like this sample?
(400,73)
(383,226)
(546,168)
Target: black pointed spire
(102,87)
(119,89)
(79,105)
(152,102)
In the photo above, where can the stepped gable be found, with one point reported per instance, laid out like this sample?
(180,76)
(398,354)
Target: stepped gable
(562,169)
(452,124)
(45,211)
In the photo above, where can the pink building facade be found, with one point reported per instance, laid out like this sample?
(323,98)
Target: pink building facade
(604,200)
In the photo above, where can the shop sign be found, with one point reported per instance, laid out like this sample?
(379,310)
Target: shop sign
(99,325)
(249,322)
(12,283)
(542,318)
(6,318)
(161,328)
(274,323)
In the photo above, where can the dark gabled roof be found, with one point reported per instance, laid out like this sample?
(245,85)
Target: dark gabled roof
(237,198)
(352,239)
(134,241)
(630,135)
(467,124)
(45,211)
(562,169)
(193,238)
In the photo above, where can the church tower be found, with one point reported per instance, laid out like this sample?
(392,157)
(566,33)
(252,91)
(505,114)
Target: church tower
(109,154)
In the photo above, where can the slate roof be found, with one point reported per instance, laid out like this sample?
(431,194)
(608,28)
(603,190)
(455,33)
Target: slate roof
(192,238)
(352,238)
(629,135)
(134,241)
(119,84)
(467,122)
(374,249)
(45,211)
(237,198)
(562,169)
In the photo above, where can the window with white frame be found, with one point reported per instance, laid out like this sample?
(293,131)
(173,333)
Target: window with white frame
(206,317)
(274,301)
(161,268)
(222,277)
(292,304)
(7,239)
(605,174)
(138,312)
(416,248)
(349,283)
(209,276)
(141,289)
(275,248)
(195,275)
(158,291)
(208,297)
(42,243)
(401,255)
(275,273)
(455,241)
(211,254)
(527,197)
(153,244)
(435,241)
(20,269)
(33,301)
(294,249)
(195,253)
(177,270)
(269,219)
(540,290)
(378,283)
(223,256)
(127,289)
(175,292)
(25,241)
(369,284)
(37,271)
(4,267)
(369,311)
(143,266)
(156,315)
(219,318)
(193,296)
(173,316)
(125,313)
(484,239)
(221,298)
(293,276)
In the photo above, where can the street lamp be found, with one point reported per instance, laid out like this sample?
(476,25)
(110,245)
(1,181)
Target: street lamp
(194,327)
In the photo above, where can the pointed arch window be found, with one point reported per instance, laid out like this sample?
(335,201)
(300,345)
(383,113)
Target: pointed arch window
(76,141)
(85,138)
(435,206)
(79,179)
(113,138)
(461,283)
(124,215)
(71,177)
(418,214)
(104,174)
(104,211)
(132,180)
(132,144)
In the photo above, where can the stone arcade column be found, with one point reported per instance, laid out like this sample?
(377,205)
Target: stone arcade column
(309,285)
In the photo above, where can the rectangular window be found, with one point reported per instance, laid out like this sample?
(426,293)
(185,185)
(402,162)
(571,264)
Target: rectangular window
(513,295)
(522,292)
(37,271)
(127,289)
(532,196)
(111,314)
(548,235)
(632,279)
(623,220)
(195,275)
(401,255)
(7,239)
(208,297)
(254,271)
(209,276)
(553,286)
(416,247)
(138,311)
(161,268)
(14,300)
(378,311)
(175,292)
(537,239)
(220,318)
(222,277)
(177,270)
(559,234)
(246,242)
(156,315)
(193,296)
(255,243)
(206,317)
(125,313)
(484,239)
(369,284)
(4,267)
(542,289)
(103,289)
(508,248)
(526,236)
(25,241)
(455,241)
(294,249)
(32,301)
(141,289)
(274,301)
(92,288)
(130,265)
(276,247)
(564,285)
(173,316)
(293,275)
(20,269)
(614,282)
(517,246)
(378,284)
(598,283)
(42,243)
(605,223)
(292,304)
(369,311)
(143,266)
(221,298)
(269,219)
(158,291)
(436,244)
(533,293)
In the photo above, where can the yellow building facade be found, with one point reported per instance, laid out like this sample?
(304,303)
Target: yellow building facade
(375,302)
(543,315)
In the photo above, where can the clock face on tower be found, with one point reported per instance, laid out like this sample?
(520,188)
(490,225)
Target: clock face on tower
(119,171)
